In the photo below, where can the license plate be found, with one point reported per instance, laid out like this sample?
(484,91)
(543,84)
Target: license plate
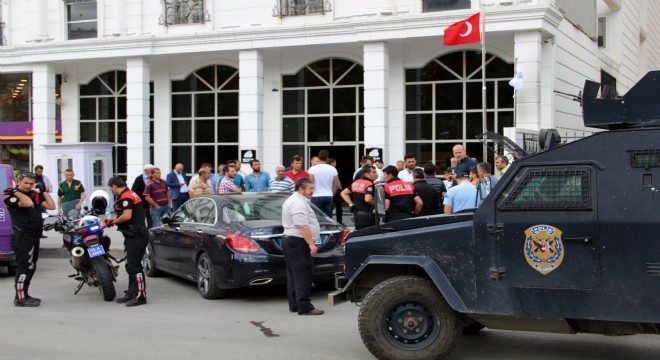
(95,251)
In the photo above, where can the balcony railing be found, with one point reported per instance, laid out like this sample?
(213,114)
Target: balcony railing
(300,7)
(177,12)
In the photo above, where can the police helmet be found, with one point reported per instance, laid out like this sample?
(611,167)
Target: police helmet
(89,220)
(100,201)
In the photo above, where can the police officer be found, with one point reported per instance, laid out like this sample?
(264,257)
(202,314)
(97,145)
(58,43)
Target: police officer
(130,222)
(25,205)
(363,201)
(401,201)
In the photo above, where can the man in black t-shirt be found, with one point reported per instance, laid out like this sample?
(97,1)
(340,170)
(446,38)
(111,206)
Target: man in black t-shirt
(430,197)
(25,205)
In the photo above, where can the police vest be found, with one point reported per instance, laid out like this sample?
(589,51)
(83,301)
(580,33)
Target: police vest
(360,188)
(137,217)
(26,218)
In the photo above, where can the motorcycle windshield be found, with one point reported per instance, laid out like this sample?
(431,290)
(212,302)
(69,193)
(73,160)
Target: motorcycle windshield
(71,210)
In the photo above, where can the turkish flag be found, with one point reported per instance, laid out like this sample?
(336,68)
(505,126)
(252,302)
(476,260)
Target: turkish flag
(463,32)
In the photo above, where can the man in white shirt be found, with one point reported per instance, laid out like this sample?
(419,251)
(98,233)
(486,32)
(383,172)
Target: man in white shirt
(406,175)
(326,180)
(301,231)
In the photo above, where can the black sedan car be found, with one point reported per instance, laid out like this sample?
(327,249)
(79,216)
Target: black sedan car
(230,241)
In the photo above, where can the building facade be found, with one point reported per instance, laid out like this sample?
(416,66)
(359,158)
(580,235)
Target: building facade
(197,81)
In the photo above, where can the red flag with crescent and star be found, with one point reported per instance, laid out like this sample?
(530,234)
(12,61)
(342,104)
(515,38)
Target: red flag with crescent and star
(463,32)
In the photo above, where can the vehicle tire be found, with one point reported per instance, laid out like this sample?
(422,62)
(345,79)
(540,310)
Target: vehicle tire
(149,263)
(407,318)
(472,328)
(206,279)
(104,278)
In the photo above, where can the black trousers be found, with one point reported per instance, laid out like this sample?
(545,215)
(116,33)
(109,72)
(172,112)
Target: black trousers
(339,206)
(26,248)
(299,270)
(134,247)
(364,219)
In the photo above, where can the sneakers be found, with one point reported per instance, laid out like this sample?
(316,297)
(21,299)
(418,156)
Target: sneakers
(137,301)
(314,312)
(28,302)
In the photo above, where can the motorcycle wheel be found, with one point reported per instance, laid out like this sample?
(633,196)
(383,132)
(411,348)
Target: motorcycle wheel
(104,278)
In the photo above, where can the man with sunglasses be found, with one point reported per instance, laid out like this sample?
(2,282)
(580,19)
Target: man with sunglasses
(25,205)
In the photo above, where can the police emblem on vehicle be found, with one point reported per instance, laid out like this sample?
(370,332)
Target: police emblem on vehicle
(544,250)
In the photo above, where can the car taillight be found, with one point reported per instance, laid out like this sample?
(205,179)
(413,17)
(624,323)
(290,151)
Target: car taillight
(240,243)
(344,234)
(82,231)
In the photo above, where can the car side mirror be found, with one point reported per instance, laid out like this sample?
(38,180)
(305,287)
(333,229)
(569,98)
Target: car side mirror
(166,218)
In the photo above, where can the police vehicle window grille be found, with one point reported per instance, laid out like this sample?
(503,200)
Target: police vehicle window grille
(645,158)
(551,189)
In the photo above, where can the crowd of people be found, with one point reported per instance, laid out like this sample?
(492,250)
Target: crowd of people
(410,190)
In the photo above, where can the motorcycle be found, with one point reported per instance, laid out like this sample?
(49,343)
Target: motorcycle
(82,233)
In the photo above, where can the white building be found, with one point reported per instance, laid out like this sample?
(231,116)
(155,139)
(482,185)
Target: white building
(196,81)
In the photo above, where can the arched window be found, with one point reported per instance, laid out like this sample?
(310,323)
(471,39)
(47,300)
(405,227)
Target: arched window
(103,115)
(205,117)
(323,104)
(444,105)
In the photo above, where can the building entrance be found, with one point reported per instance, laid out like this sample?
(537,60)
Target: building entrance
(345,156)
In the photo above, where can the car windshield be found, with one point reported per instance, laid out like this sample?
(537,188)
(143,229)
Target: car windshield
(262,208)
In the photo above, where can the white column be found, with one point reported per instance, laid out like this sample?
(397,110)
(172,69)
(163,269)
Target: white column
(162,123)
(527,50)
(376,94)
(251,100)
(272,124)
(120,21)
(397,92)
(70,106)
(43,110)
(137,111)
(41,26)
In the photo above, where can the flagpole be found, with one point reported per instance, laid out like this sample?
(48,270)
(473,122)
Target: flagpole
(483,67)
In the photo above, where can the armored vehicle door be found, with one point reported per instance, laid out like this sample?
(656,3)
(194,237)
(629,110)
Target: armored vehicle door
(546,222)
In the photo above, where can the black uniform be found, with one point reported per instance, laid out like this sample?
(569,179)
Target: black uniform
(430,198)
(363,214)
(402,200)
(136,237)
(26,232)
(138,187)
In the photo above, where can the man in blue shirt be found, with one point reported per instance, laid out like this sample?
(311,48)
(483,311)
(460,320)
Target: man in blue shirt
(257,181)
(461,196)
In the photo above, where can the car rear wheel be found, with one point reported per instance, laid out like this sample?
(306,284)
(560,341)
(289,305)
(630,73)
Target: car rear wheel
(407,318)
(206,279)
(149,263)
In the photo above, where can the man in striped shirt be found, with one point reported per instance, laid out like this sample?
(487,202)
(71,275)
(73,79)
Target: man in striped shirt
(157,195)
(281,183)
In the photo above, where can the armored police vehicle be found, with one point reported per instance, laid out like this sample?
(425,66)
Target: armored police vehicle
(567,242)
